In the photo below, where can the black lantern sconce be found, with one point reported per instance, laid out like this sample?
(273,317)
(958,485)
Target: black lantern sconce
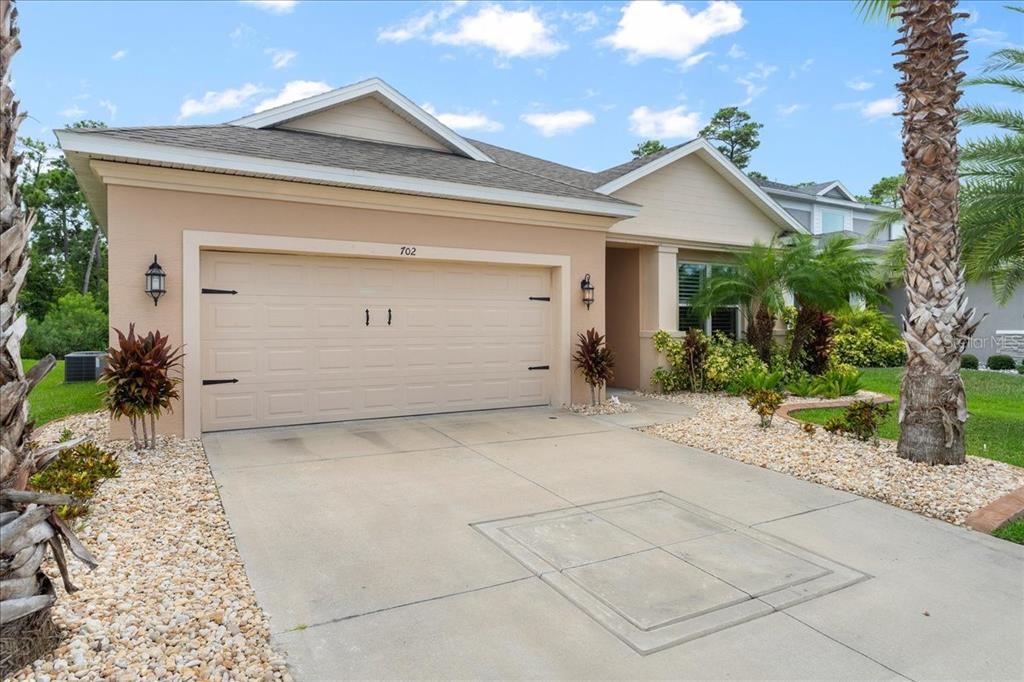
(156,281)
(588,290)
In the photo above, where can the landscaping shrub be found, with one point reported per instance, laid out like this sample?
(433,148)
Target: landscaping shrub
(802,387)
(818,348)
(727,360)
(594,360)
(1020,367)
(968,361)
(837,381)
(808,428)
(866,337)
(78,472)
(860,420)
(139,381)
(74,323)
(687,359)
(1000,362)
(764,402)
(755,379)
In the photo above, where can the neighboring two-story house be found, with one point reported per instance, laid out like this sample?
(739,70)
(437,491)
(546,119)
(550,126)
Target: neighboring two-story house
(828,208)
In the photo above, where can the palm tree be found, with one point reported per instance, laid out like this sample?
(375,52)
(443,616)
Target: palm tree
(933,405)
(823,278)
(992,211)
(755,280)
(29,527)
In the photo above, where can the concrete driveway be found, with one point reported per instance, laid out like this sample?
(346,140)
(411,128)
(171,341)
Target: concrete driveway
(535,543)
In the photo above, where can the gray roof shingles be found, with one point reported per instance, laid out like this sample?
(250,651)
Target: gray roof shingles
(511,170)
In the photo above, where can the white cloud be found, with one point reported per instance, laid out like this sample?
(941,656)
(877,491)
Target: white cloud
(880,108)
(510,33)
(788,110)
(668,30)
(671,123)
(753,81)
(273,6)
(736,52)
(473,120)
(417,27)
(558,123)
(280,58)
(581,21)
(292,91)
(859,84)
(214,101)
(240,35)
(74,111)
(110,107)
(694,60)
(119,55)
(986,36)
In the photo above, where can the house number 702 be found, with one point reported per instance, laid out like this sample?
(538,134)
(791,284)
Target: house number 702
(407,251)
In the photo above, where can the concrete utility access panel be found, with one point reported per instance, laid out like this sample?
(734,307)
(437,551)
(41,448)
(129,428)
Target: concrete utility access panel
(657,571)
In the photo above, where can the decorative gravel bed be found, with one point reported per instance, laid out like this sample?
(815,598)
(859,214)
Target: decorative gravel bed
(725,425)
(170,598)
(611,406)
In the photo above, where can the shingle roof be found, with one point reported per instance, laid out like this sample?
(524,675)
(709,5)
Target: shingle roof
(567,174)
(520,174)
(811,189)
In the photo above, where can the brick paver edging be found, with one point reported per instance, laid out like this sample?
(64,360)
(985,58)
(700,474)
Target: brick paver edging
(1007,508)
(786,408)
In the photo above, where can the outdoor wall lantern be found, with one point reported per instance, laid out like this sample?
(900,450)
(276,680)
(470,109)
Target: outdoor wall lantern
(155,281)
(588,290)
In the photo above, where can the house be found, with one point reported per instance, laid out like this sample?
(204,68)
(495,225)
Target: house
(348,256)
(829,208)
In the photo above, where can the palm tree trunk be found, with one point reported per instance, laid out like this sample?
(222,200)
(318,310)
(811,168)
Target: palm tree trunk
(933,407)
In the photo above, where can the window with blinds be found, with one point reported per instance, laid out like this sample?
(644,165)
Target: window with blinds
(724,320)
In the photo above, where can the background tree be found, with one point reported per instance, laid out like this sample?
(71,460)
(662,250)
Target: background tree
(735,132)
(29,525)
(885,192)
(933,405)
(68,250)
(756,175)
(648,147)
(992,168)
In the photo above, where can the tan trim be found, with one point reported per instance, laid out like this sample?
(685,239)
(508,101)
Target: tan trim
(194,241)
(134,175)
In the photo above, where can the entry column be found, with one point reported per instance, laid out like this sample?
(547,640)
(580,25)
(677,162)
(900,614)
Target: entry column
(659,288)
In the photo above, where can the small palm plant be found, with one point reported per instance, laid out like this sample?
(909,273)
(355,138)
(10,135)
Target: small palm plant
(139,381)
(595,362)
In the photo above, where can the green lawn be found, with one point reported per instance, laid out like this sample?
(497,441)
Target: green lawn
(1014,532)
(52,398)
(995,402)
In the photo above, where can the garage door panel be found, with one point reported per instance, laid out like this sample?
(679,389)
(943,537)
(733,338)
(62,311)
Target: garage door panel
(462,337)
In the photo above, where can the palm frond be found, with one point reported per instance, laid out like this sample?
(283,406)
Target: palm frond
(1015,83)
(986,115)
(1005,60)
(877,10)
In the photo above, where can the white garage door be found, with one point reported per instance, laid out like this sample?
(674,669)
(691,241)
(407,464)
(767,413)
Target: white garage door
(312,339)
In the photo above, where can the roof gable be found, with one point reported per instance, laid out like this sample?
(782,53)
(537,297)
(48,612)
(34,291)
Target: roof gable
(326,113)
(836,190)
(640,168)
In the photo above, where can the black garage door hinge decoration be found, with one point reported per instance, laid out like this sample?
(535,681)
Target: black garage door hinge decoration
(540,298)
(540,367)
(208,382)
(219,291)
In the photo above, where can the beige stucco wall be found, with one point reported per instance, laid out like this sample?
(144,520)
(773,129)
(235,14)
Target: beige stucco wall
(623,315)
(690,201)
(147,220)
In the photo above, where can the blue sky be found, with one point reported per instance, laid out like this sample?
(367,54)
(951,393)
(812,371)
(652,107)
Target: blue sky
(576,82)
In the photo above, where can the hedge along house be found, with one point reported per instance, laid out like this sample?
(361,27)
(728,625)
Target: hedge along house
(347,256)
